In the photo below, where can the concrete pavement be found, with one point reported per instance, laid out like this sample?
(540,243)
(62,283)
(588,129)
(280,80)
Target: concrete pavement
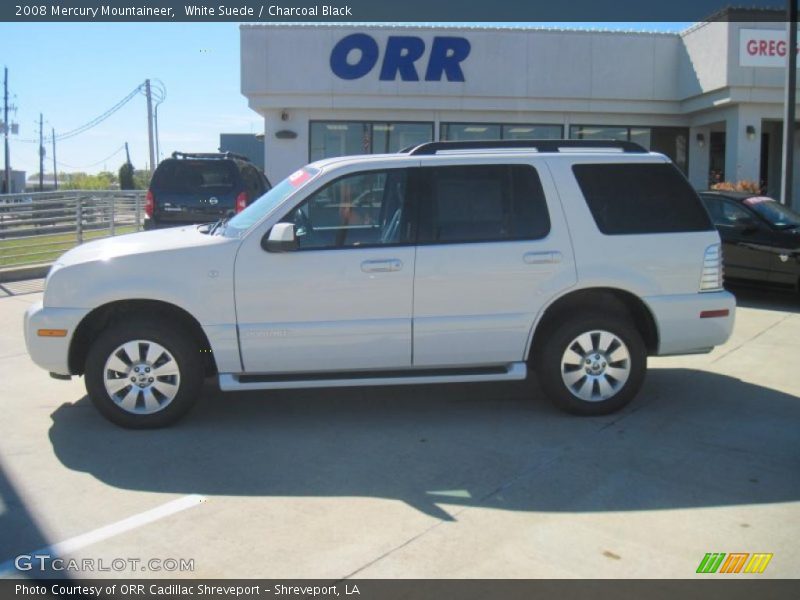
(436,481)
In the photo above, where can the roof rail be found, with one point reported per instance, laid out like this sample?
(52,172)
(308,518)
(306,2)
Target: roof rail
(177,154)
(537,145)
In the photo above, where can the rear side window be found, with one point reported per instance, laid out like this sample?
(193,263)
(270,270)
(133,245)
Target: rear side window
(481,203)
(252,182)
(195,176)
(640,198)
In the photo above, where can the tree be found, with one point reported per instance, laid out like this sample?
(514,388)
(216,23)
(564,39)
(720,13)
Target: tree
(104,180)
(141,179)
(126,181)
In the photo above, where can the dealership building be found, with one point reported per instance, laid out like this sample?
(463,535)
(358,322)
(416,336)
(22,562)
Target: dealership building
(710,97)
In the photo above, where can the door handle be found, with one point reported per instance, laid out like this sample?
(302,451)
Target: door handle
(381,266)
(542,258)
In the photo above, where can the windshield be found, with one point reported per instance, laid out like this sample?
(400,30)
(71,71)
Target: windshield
(269,201)
(773,212)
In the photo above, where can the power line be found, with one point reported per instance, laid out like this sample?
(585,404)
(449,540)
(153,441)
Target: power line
(94,122)
(99,162)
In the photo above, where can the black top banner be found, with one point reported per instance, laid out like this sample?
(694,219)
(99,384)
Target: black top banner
(413,11)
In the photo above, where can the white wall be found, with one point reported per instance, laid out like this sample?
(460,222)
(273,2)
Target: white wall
(509,69)
(699,157)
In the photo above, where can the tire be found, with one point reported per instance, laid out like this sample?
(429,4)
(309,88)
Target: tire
(152,400)
(609,381)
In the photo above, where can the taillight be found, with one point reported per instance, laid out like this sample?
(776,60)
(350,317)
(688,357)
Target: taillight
(241,202)
(711,279)
(149,202)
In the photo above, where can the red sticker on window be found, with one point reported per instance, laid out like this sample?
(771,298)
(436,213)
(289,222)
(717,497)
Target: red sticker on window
(299,177)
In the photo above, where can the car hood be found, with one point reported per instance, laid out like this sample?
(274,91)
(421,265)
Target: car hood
(160,264)
(145,242)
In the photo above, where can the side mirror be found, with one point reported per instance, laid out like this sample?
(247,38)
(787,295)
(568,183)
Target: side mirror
(280,238)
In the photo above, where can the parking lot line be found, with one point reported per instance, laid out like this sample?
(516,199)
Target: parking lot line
(108,531)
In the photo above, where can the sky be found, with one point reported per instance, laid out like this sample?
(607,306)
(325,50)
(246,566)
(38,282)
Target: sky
(74,72)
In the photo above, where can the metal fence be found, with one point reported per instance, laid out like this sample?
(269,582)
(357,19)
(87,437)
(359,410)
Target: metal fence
(35,228)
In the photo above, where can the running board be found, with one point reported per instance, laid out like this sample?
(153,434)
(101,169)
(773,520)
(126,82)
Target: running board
(230,382)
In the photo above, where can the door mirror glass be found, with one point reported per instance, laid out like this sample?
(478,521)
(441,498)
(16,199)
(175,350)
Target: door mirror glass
(281,238)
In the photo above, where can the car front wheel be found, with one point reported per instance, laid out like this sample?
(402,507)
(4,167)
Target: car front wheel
(143,374)
(592,365)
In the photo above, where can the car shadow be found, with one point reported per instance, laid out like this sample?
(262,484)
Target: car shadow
(19,527)
(692,439)
(752,297)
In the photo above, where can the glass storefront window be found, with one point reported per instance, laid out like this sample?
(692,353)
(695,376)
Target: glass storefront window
(670,141)
(470,131)
(532,132)
(393,137)
(499,131)
(596,132)
(641,135)
(344,138)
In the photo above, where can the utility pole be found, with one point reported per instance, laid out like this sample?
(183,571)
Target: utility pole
(41,153)
(787,168)
(127,154)
(155,122)
(55,167)
(150,124)
(6,127)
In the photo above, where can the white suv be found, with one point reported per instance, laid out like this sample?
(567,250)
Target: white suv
(448,262)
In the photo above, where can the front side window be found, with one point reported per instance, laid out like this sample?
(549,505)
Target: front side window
(357,210)
(725,213)
(481,203)
(269,201)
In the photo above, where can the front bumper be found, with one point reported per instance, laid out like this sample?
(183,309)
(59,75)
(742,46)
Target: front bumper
(682,330)
(51,353)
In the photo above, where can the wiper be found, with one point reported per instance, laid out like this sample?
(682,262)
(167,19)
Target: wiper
(212,227)
(221,225)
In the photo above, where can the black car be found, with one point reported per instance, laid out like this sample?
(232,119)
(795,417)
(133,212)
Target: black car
(200,188)
(760,238)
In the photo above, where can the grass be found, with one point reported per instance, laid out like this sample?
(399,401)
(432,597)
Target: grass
(57,244)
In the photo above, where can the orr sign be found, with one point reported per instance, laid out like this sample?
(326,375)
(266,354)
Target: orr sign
(355,55)
(762,48)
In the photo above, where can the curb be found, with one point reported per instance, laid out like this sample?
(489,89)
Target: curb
(26,272)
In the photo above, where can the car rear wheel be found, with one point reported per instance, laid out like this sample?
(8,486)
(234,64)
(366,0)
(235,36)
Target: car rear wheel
(143,373)
(592,365)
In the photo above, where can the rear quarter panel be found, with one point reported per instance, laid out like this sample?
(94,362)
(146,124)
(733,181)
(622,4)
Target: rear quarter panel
(645,264)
